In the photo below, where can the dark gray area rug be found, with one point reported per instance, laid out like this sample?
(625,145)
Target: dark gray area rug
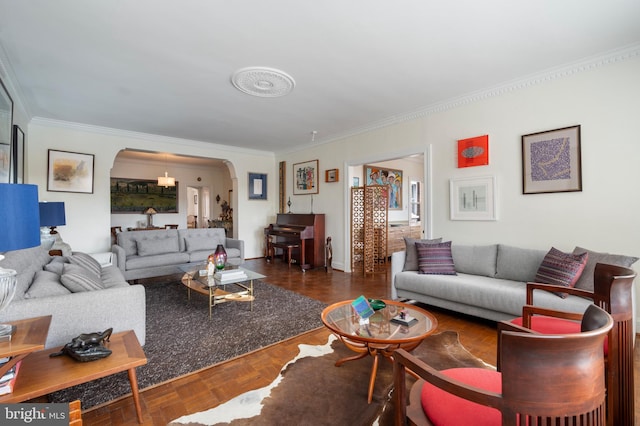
(181,339)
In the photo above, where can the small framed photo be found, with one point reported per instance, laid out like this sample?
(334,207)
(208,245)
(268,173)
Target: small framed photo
(257,186)
(305,178)
(473,198)
(356,182)
(331,175)
(551,161)
(70,172)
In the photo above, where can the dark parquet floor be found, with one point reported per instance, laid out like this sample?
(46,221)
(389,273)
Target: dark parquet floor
(220,383)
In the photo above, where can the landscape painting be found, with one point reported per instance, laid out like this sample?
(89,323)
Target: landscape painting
(135,195)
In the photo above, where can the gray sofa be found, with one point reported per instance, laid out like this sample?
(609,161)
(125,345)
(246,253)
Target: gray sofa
(79,294)
(491,281)
(145,254)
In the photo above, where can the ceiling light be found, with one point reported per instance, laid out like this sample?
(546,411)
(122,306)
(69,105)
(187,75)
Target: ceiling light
(165,180)
(263,82)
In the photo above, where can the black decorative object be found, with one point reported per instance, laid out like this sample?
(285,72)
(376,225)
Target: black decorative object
(87,346)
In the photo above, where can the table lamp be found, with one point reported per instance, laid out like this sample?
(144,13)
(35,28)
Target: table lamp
(52,215)
(150,211)
(20,218)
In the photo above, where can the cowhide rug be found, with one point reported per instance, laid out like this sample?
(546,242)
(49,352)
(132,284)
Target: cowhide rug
(311,390)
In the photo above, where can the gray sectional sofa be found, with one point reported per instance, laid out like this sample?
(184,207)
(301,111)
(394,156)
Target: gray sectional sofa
(490,281)
(81,295)
(145,254)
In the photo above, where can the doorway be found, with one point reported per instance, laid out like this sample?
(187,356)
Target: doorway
(198,206)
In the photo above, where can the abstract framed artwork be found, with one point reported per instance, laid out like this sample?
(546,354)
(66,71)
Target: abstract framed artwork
(135,195)
(376,175)
(70,172)
(551,161)
(305,178)
(257,186)
(17,155)
(6,121)
(473,151)
(473,198)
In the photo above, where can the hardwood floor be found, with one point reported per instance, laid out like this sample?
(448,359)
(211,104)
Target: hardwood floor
(214,385)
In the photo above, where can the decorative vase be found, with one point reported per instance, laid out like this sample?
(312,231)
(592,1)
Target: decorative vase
(220,257)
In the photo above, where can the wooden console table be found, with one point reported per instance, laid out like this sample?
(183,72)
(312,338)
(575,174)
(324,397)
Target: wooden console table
(41,375)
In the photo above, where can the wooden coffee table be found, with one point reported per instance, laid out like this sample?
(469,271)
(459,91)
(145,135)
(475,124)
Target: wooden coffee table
(41,375)
(378,336)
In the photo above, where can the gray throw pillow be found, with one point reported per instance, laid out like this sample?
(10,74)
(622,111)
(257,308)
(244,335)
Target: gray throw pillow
(77,279)
(411,257)
(46,284)
(149,247)
(585,282)
(200,243)
(86,261)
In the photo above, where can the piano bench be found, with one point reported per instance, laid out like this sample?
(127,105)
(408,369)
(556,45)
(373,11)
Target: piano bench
(288,246)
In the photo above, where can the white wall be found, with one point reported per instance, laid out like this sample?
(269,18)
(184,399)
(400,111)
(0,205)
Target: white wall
(88,215)
(603,217)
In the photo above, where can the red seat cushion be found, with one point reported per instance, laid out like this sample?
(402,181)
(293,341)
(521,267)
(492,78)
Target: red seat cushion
(552,325)
(443,408)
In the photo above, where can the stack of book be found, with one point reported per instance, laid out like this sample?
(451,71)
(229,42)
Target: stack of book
(231,275)
(8,379)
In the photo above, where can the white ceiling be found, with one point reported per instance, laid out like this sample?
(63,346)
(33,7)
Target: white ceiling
(164,67)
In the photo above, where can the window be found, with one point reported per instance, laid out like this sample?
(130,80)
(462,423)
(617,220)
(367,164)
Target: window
(414,201)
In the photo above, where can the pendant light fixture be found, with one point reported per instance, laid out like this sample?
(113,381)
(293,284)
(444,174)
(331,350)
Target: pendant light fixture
(166,180)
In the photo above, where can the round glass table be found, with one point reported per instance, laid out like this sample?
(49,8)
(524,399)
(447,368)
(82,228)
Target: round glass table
(380,334)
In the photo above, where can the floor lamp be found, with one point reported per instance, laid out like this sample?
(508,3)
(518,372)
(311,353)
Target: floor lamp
(20,218)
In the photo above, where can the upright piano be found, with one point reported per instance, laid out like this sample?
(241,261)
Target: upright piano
(307,230)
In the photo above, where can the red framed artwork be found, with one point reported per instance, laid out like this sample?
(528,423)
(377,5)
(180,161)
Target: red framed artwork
(473,151)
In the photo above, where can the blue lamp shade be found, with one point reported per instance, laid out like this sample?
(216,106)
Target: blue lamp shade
(52,214)
(19,216)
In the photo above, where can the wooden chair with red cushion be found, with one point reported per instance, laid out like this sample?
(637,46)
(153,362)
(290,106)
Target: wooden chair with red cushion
(613,292)
(545,379)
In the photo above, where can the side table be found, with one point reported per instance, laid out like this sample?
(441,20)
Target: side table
(42,375)
(30,336)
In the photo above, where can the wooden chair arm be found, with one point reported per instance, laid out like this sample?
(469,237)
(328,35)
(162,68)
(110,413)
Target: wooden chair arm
(531,286)
(404,360)
(528,311)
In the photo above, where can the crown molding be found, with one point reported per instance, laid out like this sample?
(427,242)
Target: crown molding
(588,64)
(109,131)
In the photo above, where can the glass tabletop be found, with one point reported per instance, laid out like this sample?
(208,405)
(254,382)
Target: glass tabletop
(381,326)
(198,272)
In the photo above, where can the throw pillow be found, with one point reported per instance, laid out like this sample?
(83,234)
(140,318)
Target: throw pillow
(562,269)
(435,259)
(77,279)
(411,256)
(86,261)
(56,265)
(46,284)
(200,243)
(585,282)
(149,247)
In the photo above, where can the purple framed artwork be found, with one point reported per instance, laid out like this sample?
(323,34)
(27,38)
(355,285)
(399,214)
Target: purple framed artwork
(551,161)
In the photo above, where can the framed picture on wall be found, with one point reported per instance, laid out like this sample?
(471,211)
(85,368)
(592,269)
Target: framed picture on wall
(17,155)
(257,186)
(70,172)
(473,198)
(6,121)
(305,178)
(551,161)
(135,195)
(376,175)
